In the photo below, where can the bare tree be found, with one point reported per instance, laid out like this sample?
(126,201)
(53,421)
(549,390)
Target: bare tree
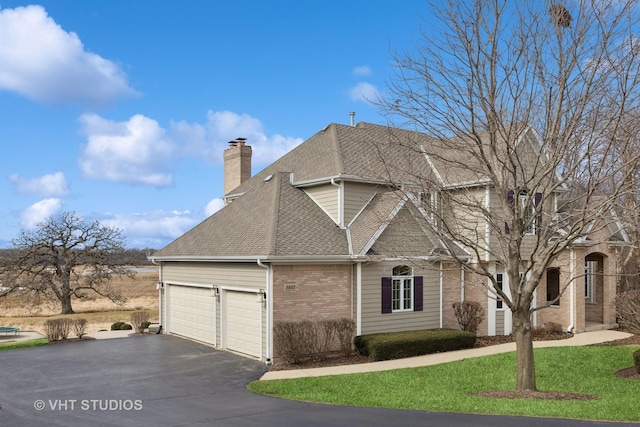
(64,257)
(492,77)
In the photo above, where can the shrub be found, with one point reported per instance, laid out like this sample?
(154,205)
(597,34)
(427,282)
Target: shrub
(52,329)
(57,329)
(126,327)
(116,326)
(345,330)
(287,345)
(139,319)
(636,360)
(628,310)
(469,315)
(80,327)
(296,341)
(397,345)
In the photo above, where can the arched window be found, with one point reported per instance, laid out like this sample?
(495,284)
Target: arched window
(402,291)
(402,288)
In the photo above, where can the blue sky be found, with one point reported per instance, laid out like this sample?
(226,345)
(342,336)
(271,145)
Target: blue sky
(120,110)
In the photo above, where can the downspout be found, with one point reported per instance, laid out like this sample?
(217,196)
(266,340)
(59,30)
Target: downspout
(572,294)
(269,311)
(441,296)
(160,290)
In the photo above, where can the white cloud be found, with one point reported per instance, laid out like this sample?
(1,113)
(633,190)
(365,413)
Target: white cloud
(51,185)
(152,229)
(209,140)
(40,211)
(364,92)
(213,206)
(135,151)
(45,63)
(362,70)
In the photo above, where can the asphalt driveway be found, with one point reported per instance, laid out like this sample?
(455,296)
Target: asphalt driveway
(159,380)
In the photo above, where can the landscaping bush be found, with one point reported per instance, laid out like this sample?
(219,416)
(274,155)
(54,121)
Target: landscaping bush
(469,315)
(126,327)
(80,327)
(57,329)
(140,320)
(345,330)
(628,310)
(286,343)
(636,360)
(296,341)
(116,326)
(397,345)
(52,329)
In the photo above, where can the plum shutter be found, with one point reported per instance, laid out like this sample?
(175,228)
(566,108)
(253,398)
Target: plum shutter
(386,295)
(417,293)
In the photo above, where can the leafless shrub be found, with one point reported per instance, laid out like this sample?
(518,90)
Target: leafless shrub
(296,341)
(345,330)
(57,329)
(286,342)
(140,320)
(469,315)
(628,310)
(80,327)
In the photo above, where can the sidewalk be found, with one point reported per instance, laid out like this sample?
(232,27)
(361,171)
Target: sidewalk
(31,335)
(585,338)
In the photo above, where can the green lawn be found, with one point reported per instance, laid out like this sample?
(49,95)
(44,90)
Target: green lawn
(449,387)
(23,344)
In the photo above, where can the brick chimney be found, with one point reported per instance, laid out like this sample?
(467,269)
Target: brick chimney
(237,164)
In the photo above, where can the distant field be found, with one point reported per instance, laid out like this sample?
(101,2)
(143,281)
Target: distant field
(99,311)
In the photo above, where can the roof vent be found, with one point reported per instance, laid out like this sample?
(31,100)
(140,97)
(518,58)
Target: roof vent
(352,116)
(267,179)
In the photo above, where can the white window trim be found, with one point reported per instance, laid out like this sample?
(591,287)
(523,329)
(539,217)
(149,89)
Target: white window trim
(402,279)
(523,198)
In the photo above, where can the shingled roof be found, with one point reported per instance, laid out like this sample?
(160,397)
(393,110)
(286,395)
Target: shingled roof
(271,215)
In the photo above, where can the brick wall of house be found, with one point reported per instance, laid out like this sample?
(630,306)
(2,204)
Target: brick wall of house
(475,291)
(311,292)
(451,293)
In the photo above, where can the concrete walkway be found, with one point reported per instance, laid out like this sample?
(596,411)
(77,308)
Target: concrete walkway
(32,335)
(585,338)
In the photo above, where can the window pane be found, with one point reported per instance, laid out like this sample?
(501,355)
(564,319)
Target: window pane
(407,294)
(499,283)
(395,299)
(401,270)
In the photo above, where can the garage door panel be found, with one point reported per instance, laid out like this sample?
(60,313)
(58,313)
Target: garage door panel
(191,313)
(243,323)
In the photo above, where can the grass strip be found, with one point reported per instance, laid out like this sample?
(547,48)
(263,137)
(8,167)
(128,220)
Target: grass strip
(23,344)
(450,387)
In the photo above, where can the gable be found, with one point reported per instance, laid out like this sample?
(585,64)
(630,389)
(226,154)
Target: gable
(404,236)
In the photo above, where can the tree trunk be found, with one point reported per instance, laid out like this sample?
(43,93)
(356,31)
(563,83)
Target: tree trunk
(526,370)
(65,303)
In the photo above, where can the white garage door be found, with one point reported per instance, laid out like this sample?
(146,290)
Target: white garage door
(192,313)
(243,322)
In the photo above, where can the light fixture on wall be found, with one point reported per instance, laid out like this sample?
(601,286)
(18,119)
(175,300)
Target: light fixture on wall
(159,285)
(215,291)
(261,296)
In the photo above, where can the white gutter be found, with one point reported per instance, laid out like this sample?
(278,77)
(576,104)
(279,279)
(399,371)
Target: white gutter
(269,291)
(572,294)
